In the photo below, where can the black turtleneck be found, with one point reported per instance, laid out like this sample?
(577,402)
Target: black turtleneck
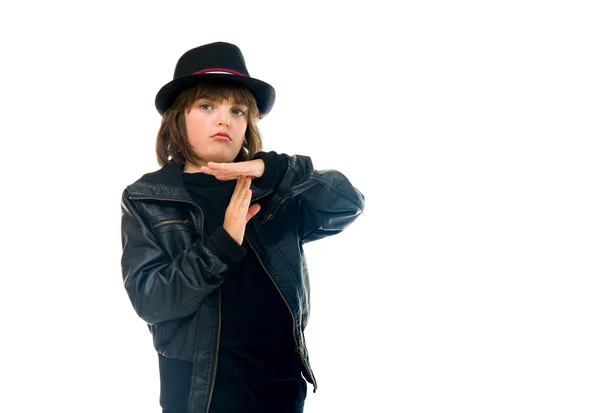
(256,347)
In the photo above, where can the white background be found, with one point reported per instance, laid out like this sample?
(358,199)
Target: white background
(469,284)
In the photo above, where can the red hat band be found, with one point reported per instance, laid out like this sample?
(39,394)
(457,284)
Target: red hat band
(219,70)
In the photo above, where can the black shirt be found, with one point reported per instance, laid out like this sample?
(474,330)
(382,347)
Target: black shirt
(257,368)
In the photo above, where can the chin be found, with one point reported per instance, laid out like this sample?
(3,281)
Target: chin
(221,159)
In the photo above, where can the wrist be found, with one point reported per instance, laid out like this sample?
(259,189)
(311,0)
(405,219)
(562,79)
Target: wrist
(260,168)
(275,166)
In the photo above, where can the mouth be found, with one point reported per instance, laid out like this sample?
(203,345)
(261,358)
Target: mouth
(221,136)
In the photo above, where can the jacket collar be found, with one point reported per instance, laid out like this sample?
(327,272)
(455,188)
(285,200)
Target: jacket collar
(167,183)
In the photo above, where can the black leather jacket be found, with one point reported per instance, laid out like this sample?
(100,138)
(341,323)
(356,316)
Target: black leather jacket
(172,275)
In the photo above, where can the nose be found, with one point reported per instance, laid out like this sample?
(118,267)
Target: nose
(224,117)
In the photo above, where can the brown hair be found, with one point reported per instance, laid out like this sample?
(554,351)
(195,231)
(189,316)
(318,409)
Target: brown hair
(172,141)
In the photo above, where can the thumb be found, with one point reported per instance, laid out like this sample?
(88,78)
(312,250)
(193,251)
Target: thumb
(253,210)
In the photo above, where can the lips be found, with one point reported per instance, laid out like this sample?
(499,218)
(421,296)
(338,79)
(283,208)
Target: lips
(221,136)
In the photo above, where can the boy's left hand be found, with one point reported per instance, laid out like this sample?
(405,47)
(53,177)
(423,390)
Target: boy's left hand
(233,170)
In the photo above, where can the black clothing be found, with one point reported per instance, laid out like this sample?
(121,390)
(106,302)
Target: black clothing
(256,344)
(173,267)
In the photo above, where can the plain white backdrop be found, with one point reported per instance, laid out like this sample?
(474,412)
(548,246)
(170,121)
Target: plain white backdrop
(469,284)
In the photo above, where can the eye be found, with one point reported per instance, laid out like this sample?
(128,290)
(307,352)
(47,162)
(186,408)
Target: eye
(238,112)
(205,106)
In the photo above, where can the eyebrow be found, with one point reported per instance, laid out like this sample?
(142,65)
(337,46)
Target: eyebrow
(212,100)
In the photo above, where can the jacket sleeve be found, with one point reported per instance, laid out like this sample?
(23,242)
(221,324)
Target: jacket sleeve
(328,201)
(162,288)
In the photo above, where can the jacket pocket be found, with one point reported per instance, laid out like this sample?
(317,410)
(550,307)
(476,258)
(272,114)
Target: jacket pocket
(172,338)
(175,235)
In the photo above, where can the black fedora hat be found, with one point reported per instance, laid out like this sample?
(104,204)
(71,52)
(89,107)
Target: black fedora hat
(218,60)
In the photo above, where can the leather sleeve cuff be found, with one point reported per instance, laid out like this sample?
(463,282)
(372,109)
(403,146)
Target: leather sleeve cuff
(275,168)
(225,247)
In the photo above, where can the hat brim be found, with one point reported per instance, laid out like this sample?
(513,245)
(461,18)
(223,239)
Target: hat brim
(262,91)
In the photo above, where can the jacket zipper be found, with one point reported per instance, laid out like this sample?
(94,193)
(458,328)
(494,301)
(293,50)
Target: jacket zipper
(272,213)
(212,387)
(172,221)
(298,347)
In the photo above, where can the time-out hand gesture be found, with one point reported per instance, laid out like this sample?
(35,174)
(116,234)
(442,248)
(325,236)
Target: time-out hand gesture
(233,170)
(238,212)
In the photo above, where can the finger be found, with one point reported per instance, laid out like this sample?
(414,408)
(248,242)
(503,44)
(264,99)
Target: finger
(248,193)
(253,210)
(226,177)
(237,168)
(224,168)
(242,191)
(240,205)
(246,201)
(209,170)
(215,170)
(236,191)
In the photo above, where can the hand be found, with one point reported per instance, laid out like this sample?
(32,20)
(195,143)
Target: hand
(234,170)
(238,214)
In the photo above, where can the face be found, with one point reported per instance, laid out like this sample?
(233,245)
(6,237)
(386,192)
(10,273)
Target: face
(216,130)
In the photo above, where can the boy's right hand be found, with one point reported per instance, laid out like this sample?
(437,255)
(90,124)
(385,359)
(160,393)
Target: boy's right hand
(238,212)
